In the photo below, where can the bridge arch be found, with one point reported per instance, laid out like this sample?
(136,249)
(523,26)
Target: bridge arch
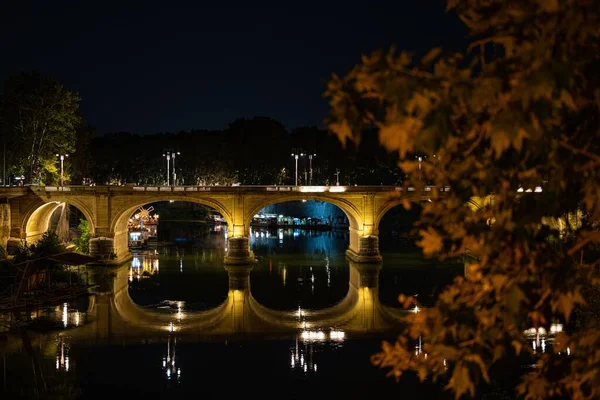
(118,224)
(36,219)
(354,215)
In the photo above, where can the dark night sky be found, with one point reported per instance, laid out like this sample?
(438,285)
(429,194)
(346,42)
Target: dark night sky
(150,67)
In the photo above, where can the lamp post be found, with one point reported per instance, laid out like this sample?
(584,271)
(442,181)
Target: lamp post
(310,157)
(171,154)
(167,154)
(296,153)
(337,177)
(62,160)
(174,173)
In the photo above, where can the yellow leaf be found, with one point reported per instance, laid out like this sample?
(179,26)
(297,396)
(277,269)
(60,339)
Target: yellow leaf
(407,204)
(567,99)
(518,346)
(461,381)
(500,142)
(431,242)
(565,305)
(431,55)
(548,5)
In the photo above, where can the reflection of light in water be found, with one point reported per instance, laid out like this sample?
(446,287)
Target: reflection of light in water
(299,361)
(280,235)
(179,310)
(540,336)
(284,275)
(77,318)
(168,361)
(136,263)
(65,315)
(62,358)
(181,265)
(328,271)
(418,347)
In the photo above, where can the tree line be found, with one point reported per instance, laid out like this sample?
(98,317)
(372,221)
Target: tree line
(40,120)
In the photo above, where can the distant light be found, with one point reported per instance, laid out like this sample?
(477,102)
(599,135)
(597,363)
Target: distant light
(337,189)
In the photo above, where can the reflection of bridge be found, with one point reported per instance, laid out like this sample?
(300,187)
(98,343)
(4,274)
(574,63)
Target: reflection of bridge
(108,208)
(113,313)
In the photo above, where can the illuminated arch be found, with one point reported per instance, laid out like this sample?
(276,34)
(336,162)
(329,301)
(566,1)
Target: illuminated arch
(37,217)
(354,216)
(120,217)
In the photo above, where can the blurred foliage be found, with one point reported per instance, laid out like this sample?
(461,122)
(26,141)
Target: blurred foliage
(516,111)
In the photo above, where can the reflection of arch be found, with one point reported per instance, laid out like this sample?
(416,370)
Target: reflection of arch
(37,217)
(354,215)
(360,311)
(122,215)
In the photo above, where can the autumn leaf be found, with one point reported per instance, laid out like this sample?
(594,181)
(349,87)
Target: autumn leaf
(431,242)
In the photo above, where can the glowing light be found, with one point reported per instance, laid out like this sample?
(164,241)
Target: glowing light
(309,189)
(416,309)
(337,335)
(568,351)
(337,189)
(171,327)
(556,328)
(77,318)
(313,335)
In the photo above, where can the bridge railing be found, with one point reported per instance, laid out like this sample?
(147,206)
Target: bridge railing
(237,188)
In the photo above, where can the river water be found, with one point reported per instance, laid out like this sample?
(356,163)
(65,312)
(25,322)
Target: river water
(66,353)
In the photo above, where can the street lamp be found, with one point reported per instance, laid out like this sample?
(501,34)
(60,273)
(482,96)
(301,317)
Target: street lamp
(174,154)
(295,154)
(310,157)
(62,160)
(171,154)
(167,154)
(337,177)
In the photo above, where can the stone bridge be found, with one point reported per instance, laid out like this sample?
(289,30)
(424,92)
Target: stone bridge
(108,209)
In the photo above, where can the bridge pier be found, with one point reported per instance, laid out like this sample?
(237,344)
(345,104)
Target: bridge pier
(364,249)
(109,250)
(238,251)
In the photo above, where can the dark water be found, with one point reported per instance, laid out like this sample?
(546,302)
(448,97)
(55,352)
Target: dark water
(295,269)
